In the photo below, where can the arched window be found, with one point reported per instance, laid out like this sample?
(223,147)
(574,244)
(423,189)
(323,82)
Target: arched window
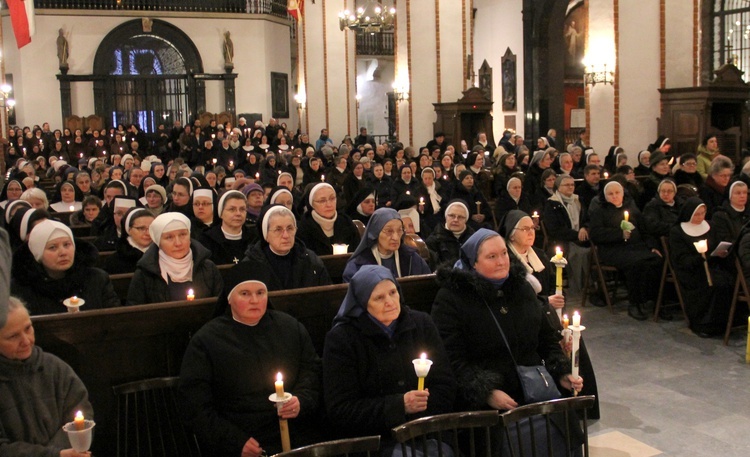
(145,75)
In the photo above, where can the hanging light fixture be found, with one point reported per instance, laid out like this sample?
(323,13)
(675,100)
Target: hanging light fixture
(372,17)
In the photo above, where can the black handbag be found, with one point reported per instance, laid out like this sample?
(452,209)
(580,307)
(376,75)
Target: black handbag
(536,382)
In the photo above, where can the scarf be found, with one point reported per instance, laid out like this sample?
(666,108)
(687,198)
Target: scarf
(379,258)
(179,270)
(529,260)
(435,198)
(325,223)
(573,206)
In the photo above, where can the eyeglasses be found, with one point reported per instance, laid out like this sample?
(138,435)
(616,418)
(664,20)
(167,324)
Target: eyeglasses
(278,231)
(323,201)
(203,204)
(389,233)
(690,164)
(140,228)
(525,229)
(179,194)
(458,217)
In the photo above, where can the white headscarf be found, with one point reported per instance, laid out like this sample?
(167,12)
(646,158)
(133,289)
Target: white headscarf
(45,231)
(179,270)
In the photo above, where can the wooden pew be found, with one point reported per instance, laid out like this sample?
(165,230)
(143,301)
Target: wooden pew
(335,265)
(112,346)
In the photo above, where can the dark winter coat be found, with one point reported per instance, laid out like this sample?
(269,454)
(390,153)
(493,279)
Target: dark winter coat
(147,285)
(307,271)
(44,295)
(658,217)
(444,246)
(727,222)
(366,374)
(558,225)
(124,260)
(479,357)
(344,232)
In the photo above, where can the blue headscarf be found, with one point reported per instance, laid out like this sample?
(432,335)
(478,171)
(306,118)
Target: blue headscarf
(470,251)
(377,221)
(360,288)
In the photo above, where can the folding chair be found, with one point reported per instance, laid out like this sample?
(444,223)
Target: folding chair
(668,276)
(741,293)
(368,445)
(466,433)
(600,269)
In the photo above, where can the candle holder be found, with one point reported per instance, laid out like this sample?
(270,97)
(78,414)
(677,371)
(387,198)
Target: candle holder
(702,247)
(576,350)
(279,401)
(422,369)
(80,440)
(340,249)
(73,304)
(535,220)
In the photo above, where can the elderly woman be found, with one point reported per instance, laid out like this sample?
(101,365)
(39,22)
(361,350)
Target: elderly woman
(733,214)
(173,265)
(134,241)
(512,197)
(465,189)
(230,366)
(713,192)
(204,200)
(11,192)
(633,253)
(36,197)
(445,241)
(362,205)
(567,227)
(661,213)
(290,265)
(41,393)
(369,383)
(228,240)
(707,306)
(383,244)
(484,309)
(322,226)
(660,170)
(55,268)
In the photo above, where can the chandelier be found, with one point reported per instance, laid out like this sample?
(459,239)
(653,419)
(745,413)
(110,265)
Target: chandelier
(370,18)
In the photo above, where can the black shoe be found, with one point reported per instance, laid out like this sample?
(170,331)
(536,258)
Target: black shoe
(636,313)
(598,302)
(649,307)
(665,314)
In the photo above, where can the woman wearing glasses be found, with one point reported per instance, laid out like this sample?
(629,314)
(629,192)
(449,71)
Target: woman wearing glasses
(228,240)
(134,241)
(290,265)
(383,244)
(321,227)
(445,241)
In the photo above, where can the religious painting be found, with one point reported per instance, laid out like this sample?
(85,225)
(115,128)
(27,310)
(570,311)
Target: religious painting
(574,32)
(509,81)
(279,95)
(485,80)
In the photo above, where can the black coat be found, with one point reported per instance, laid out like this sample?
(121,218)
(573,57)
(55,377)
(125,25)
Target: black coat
(479,357)
(44,295)
(727,222)
(225,251)
(307,271)
(558,225)
(607,235)
(344,232)
(471,197)
(147,285)
(444,246)
(366,374)
(658,217)
(505,203)
(124,260)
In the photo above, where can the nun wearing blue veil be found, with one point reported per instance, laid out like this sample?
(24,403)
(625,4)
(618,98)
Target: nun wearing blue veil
(369,383)
(383,244)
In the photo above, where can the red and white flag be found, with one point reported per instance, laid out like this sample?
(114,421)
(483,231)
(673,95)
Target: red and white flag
(295,8)
(22,18)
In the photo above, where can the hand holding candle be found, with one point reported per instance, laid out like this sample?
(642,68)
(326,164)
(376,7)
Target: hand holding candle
(286,406)
(577,328)
(279,385)
(79,421)
(422,368)
(702,247)
(560,262)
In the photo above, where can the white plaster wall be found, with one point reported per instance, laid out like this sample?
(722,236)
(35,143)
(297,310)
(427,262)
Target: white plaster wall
(316,112)
(679,43)
(499,25)
(341,101)
(423,84)
(639,76)
(452,50)
(601,49)
(401,71)
(34,67)
(373,108)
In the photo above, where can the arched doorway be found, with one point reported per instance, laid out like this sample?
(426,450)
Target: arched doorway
(143,75)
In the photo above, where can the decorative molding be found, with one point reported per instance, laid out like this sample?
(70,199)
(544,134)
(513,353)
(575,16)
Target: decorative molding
(303,22)
(408,66)
(616,7)
(696,43)
(325,61)
(438,67)
(662,45)
(463,38)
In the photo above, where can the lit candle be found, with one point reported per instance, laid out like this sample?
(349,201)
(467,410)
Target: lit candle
(340,249)
(79,421)
(577,328)
(214,161)
(72,208)
(627,216)
(257,176)
(606,175)
(535,215)
(190,295)
(279,385)
(576,319)
(565,321)
(74,300)
(231,163)
(322,178)
(558,253)
(213,136)
(479,207)
(567,335)
(702,247)
(421,368)
(560,262)
(421,204)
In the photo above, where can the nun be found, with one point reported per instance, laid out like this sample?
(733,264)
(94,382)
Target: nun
(56,267)
(70,198)
(706,304)
(322,226)
(290,265)
(229,239)
(173,265)
(134,241)
(204,217)
(229,370)
(369,383)
(445,241)
(383,244)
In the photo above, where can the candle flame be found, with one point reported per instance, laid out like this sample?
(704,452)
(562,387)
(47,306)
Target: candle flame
(575,313)
(423,356)
(565,316)
(558,250)
(190,291)
(279,378)
(79,416)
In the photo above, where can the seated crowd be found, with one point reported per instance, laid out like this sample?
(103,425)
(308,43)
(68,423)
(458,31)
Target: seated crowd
(176,208)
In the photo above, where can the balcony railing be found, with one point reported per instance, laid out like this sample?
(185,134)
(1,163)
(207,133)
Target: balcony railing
(272,7)
(375,44)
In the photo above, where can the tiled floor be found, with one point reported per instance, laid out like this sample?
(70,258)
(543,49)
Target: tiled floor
(664,391)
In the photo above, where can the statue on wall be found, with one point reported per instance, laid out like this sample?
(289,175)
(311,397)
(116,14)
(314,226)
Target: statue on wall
(62,49)
(147,24)
(228,51)
(509,81)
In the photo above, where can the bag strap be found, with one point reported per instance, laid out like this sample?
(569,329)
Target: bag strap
(502,333)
